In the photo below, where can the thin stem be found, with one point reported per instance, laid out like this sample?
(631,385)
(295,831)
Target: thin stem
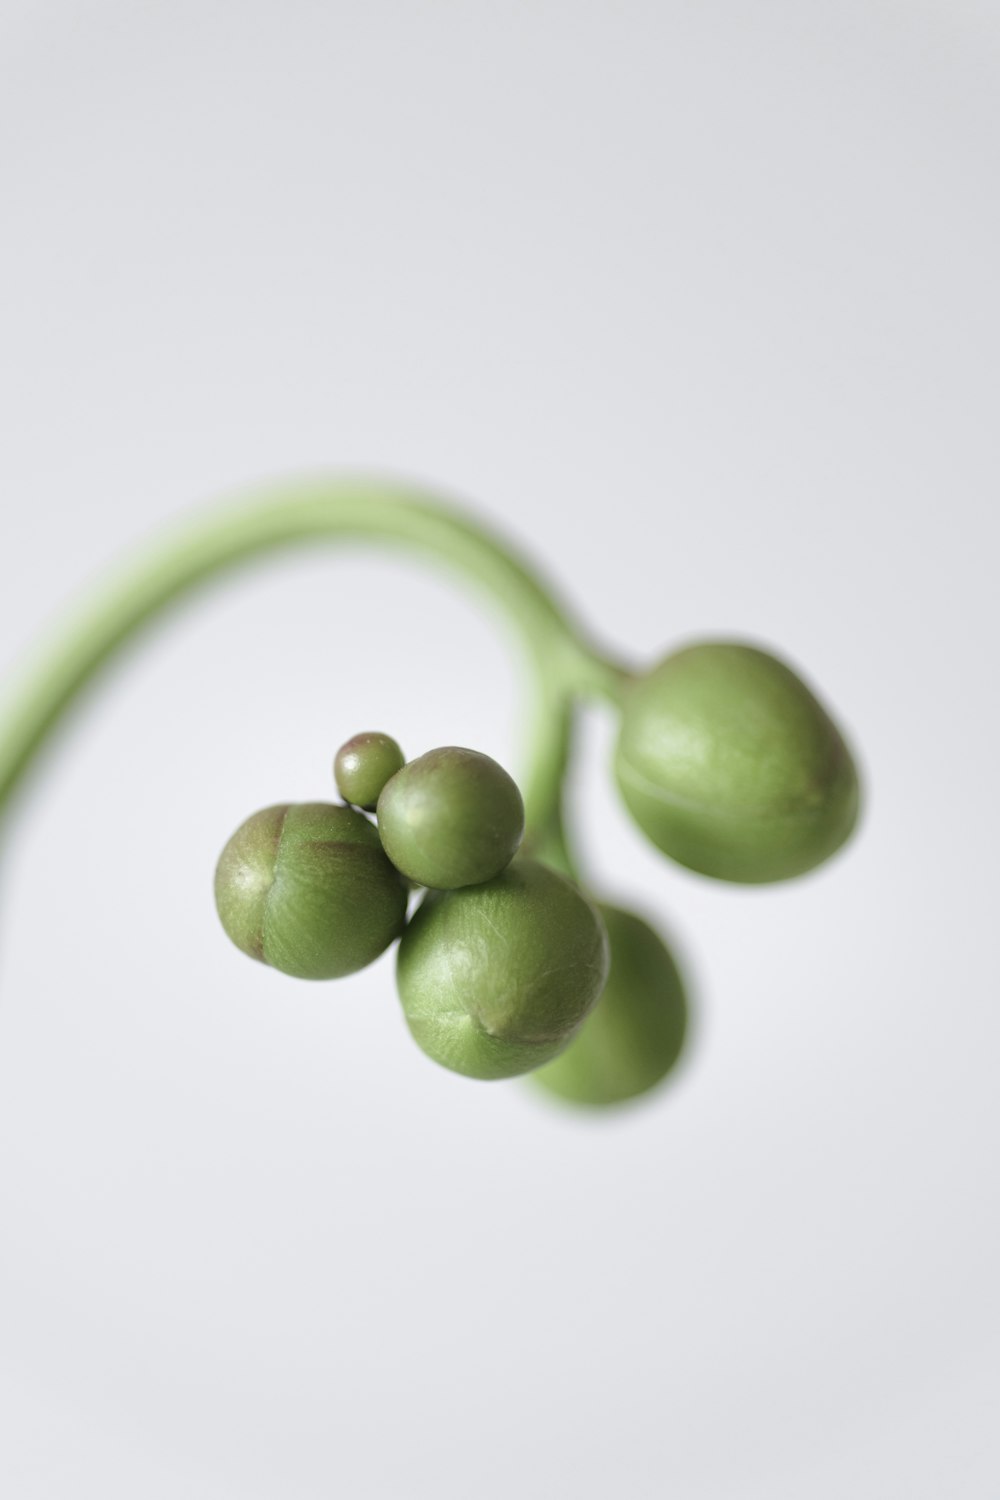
(550,750)
(546,836)
(335,510)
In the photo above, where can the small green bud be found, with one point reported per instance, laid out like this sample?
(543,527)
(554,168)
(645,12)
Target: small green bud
(731,766)
(363,765)
(451,818)
(635,1033)
(495,978)
(307,889)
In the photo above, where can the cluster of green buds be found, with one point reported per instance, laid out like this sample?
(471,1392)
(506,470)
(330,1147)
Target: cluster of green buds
(725,760)
(504,956)
(508,962)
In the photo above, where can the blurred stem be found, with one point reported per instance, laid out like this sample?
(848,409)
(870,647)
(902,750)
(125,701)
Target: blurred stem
(545,836)
(324,511)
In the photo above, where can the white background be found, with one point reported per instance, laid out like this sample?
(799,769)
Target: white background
(699,302)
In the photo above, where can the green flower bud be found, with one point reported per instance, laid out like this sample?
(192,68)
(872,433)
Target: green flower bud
(495,978)
(307,889)
(731,766)
(451,818)
(635,1033)
(363,765)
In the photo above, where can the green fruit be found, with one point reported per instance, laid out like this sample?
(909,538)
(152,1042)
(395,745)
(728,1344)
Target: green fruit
(451,818)
(496,978)
(635,1033)
(363,765)
(730,765)
(307,889)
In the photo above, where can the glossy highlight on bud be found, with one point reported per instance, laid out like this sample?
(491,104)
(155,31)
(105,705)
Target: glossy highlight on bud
(495,978)
(729,764)
(307,889)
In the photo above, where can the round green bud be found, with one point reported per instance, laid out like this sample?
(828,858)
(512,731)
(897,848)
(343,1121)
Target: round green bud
(307,889)
(451,818)
(730,765)
(635,1033)
(363,765)
(496,978)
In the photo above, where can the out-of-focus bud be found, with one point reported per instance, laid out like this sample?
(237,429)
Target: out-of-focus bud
(730,765)
(635,1034)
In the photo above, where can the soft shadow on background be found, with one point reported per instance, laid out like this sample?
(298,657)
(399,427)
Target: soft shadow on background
(700,304)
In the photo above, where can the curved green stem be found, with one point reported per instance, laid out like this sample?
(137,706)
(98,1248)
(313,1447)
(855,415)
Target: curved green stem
(545,834)
(389,513)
